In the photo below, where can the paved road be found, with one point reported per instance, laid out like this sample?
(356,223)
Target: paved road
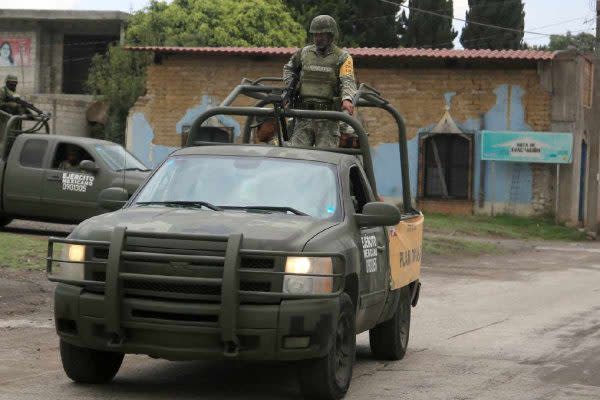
(525,325)
(38,228)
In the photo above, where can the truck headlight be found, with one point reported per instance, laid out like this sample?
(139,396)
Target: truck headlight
(297,284)
(71,270)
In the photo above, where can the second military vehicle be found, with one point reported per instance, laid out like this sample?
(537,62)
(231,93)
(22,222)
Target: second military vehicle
(245,252)
(59,178)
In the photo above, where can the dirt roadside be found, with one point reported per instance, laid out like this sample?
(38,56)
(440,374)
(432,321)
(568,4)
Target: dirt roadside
(26,292)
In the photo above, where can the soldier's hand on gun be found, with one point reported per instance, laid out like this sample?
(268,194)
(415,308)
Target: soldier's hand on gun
(348,107)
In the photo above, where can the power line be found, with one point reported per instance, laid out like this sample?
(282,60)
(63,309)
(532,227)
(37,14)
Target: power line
(465,21)
(529,39)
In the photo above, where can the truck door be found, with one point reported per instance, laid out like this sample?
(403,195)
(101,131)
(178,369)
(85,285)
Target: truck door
(23,177)
(69,193)
(372,242)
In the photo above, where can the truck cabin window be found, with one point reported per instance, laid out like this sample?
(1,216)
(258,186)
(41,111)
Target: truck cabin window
(33,152)
(68,156)
(246,184)
(119,159)
(358,190)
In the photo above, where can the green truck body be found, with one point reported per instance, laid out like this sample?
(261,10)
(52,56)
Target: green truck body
(34,186)
(240,252)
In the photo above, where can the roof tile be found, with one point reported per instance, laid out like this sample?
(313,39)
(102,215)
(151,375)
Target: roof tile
(366,52)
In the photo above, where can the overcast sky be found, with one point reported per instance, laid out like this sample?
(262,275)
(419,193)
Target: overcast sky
(541,16)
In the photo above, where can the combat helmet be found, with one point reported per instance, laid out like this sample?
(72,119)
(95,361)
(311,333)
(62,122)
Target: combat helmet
(11,78)
(324,24)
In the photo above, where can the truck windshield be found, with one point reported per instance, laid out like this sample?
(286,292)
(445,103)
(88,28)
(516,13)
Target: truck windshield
(252,184)
(118,158)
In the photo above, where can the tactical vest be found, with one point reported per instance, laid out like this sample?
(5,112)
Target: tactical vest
(5,104)
(6,93)
(319,77)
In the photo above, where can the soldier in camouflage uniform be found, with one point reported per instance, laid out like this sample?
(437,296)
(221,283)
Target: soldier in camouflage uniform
(326,82)
(8,93)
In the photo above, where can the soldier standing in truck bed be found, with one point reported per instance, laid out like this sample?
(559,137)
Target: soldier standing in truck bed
(326,83)
(8,95)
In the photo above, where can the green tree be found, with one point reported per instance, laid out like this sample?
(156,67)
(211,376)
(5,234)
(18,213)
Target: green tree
(428,30)
(215,23)
(582,41)
(364,23)
(119,76)
(504,13)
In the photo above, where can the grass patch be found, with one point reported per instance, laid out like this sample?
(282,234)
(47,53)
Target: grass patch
(507,226)
(450,246)
(22,251)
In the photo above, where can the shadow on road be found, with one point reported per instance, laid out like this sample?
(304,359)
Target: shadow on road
(143,378)
(195,380)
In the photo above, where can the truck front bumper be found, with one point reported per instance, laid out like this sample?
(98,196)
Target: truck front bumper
(292,330)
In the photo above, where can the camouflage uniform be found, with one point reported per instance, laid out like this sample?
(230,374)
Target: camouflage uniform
(6,96)
(326,79)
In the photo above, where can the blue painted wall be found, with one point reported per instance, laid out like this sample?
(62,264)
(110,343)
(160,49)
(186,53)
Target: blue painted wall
(507,114)
(142,145)
(151,154)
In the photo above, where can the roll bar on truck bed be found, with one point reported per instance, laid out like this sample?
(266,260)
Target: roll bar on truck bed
(268,94)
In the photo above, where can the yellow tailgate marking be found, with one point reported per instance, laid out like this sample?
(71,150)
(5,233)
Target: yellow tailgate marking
(405,251)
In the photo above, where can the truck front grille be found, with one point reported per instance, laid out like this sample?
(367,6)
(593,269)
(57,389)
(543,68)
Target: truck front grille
(140,252)
(192,289)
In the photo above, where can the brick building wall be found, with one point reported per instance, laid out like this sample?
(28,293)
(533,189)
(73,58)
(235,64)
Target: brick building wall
(180,82)
(485,95)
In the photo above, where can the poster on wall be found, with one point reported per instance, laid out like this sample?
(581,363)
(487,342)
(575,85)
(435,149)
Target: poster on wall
(15,52)
(531,147)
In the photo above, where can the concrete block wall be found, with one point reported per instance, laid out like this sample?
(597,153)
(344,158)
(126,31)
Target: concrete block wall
(68,112)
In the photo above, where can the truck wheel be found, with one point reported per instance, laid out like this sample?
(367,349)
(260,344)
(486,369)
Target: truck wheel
(389,340)
(5,220)
(329,377)
(87,365)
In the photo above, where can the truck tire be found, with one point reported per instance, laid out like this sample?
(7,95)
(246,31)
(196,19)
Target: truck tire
(328,378)
(389,339)
(5,220)
(84,365)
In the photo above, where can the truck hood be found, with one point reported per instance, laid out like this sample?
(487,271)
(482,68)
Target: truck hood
(261,231)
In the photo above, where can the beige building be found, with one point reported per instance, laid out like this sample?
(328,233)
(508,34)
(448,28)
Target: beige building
(51,52)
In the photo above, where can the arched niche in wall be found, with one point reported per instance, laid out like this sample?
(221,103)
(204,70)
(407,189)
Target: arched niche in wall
(446,162)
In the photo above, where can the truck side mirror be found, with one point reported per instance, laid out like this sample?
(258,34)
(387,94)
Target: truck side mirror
(88,165)
(113,198)
(378,214)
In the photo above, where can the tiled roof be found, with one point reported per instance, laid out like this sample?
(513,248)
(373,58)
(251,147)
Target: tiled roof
(366,52)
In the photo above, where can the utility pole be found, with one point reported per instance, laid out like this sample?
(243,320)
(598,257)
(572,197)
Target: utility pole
(597,46)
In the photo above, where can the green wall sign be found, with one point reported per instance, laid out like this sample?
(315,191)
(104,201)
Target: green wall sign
(530,147)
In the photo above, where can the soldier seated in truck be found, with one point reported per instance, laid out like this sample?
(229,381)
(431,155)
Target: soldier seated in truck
(266,131)
(71,161)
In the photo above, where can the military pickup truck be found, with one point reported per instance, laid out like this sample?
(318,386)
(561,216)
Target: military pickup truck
(245,252)
(59,178)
